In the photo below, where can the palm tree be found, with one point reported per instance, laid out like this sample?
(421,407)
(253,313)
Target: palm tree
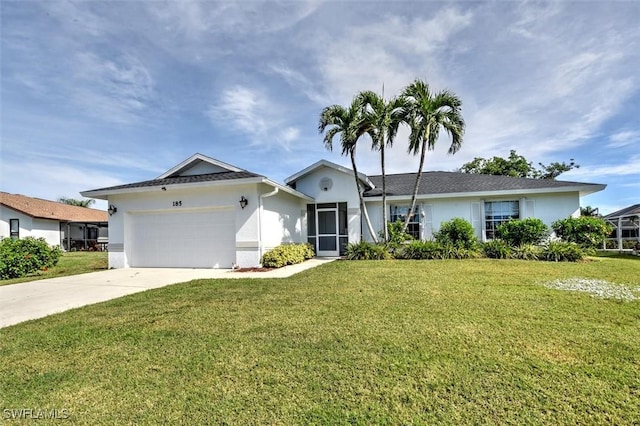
(383,119)
(74,202)
(351,125)
(428,113)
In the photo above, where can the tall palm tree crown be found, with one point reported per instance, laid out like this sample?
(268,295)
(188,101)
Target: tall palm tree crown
(428,113)
(383,118)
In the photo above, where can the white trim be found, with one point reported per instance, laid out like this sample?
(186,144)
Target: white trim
(324,163)
(104,194)
(200,157)
(501,193)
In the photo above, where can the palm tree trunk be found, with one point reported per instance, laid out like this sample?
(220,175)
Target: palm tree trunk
(423,152)
(384,195)
(363,208)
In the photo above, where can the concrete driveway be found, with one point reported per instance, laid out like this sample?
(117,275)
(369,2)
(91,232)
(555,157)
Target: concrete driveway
(37,299)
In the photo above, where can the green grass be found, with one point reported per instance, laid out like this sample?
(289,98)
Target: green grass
(71,263)
(388,342)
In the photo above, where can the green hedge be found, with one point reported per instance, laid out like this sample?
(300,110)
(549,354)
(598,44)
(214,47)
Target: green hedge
(457,233)
(523,231)
(589,232)
(287,254)
(21,257)
(367,251)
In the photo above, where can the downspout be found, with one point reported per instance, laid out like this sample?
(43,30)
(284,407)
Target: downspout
(260,208)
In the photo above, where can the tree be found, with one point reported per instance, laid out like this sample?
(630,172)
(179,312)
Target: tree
(516,166)
(351,125)
(74,202)
(428,113)
(382,119)
(589,211)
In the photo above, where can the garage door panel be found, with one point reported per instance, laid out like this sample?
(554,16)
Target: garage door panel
(191,239)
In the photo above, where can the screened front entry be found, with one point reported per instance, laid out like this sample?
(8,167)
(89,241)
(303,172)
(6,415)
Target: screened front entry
(327,228)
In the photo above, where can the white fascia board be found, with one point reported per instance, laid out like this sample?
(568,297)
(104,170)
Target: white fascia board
(196,157)
(287,189)
(364,178)
(104,194)
(505,193)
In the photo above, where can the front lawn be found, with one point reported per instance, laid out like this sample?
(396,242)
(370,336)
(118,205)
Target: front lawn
(70,263)
(389,342)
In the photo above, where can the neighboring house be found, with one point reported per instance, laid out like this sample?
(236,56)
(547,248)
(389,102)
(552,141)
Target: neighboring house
(69,227)
(206,213)
(626,223)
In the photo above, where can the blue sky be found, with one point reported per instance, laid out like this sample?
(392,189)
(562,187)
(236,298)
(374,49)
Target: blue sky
(101,93)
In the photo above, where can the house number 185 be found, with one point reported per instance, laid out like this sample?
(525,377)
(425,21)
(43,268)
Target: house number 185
(177,203)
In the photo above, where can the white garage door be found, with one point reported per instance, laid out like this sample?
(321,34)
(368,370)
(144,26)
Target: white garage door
(185,239)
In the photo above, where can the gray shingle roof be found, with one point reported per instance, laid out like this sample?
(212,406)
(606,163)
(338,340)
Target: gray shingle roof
(627,211)
(454,182)
(210,177)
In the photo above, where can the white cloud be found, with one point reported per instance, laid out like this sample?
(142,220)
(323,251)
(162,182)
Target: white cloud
(254,114)
(624,138)
(629,168)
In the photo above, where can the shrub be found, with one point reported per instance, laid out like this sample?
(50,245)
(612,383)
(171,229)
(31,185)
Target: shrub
(287,254)
(562,251)
(522,231)
(526,252)
(397,236)
(21,257)
(420,250)
(367,251)
(457,232)
(496,249)
(586,231)
(449,251)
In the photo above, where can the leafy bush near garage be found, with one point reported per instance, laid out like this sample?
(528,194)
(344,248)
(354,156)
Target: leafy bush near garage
(588,232)
(458,233)
(562,251)
(287,254)
(21,257)
(523,231)
(367,251)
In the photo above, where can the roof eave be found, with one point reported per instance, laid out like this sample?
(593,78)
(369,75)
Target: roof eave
(105,194)
(581,189)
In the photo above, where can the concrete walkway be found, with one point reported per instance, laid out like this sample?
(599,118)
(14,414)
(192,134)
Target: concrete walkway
(37,299)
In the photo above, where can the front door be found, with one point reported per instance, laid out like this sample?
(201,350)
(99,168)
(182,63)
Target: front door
(328,231)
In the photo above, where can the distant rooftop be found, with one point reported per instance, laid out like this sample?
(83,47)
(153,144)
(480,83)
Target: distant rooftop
(45,209)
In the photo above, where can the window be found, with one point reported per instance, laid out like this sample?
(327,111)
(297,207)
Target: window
(14,228)
(400,213)
(497,213)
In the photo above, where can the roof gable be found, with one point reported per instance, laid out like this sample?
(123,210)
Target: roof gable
(324,163)
(45,209)
(199,164)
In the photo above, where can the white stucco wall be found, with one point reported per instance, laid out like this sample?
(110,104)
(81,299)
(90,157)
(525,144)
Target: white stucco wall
(30,227)
(546,207)
(342,190)
(280,227)
(282,219)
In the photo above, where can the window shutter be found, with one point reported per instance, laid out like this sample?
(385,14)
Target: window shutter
(529,205)
(476,220)
(427,221)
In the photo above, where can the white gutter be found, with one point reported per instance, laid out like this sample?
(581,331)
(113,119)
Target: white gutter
(260,209)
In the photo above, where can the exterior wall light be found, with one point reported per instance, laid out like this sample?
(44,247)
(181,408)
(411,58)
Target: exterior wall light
(243,202)
(112,209)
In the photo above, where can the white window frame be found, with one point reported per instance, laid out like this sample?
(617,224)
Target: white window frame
(500,214)
(394,215)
